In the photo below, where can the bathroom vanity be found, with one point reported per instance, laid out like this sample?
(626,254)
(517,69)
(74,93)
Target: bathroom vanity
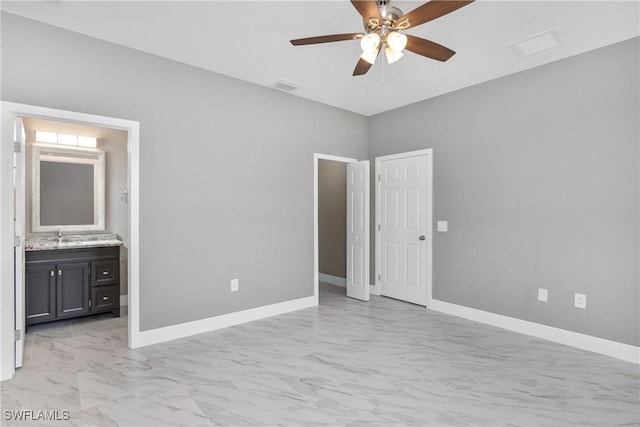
(71,276)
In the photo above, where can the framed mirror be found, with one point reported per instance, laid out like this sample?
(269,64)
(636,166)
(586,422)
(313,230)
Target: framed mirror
(68,189)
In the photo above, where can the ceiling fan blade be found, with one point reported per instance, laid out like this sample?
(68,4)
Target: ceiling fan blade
(327,39)
(429,11)
(363,66)
(368,9)
(428,48)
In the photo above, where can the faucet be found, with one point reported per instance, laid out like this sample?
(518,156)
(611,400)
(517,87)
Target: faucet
(59,236)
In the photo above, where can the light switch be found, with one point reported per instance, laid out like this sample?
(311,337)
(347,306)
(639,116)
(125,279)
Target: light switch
(580,301)
(542,294)
(443,226)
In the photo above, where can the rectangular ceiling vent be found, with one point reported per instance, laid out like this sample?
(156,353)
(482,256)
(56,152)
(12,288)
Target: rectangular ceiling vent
(537,43)
(285,86)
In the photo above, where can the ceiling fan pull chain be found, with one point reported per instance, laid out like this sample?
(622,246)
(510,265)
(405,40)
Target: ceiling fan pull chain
(382,70)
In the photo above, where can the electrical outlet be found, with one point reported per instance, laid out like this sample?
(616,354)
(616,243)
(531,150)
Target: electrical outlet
(234,285)
(580,301)
(442,226)
(542,294)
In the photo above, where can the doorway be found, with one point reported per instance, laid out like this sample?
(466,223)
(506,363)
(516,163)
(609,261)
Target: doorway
(404,232)
(12,234)
(112,144)
(354,233)
(332,222)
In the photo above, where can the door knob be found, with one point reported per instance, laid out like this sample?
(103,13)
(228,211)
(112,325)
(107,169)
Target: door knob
(422,237)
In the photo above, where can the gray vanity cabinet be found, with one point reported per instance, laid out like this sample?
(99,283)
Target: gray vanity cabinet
(67,283)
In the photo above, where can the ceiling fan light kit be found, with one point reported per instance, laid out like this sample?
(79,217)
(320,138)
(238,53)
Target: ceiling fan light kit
(391,55)
(370,42)
(371,56)
(396,41)
(383,24)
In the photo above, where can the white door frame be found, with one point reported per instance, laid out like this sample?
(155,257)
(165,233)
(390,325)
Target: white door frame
(429,177)
(18,207)
(7,298)
(316,263)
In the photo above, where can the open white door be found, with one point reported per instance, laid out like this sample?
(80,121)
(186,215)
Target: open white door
(358,230)
(404,227)
(18,232)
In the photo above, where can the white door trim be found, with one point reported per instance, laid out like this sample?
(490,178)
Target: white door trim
(316,263)
(429,155)
(7,297)
(19,230)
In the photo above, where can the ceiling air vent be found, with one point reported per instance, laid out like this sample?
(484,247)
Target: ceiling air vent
(285,86)
(536,43)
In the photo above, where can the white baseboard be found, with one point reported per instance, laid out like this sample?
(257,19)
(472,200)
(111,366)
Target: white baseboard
(124,300)
(334,280)
(615,349)
(168,333)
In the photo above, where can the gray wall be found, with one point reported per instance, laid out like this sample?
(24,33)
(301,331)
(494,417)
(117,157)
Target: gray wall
(114,143)
(226,167)
(537,174)
(332,218)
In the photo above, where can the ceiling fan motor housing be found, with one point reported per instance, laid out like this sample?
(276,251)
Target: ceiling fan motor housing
(390,14)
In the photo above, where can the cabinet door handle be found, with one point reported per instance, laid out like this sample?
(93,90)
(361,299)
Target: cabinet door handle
(52,273)
(105,298)
(104,273)
(59,272)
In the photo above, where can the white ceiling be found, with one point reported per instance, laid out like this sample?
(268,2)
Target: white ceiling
(249,40)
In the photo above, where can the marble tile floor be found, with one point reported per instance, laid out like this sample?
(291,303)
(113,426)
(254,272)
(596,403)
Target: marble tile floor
(344,363)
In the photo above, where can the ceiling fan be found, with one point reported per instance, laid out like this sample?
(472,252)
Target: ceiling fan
(383,25)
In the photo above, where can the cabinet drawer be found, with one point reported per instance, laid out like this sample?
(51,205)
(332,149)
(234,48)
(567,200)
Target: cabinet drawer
(105,298)
(104,273)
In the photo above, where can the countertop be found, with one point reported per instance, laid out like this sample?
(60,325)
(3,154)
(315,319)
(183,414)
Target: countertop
(71,241)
